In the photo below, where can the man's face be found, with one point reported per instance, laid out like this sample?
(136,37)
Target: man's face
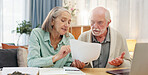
(98,24)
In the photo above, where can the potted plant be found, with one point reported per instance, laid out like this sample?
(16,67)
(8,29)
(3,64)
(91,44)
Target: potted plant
(24,27)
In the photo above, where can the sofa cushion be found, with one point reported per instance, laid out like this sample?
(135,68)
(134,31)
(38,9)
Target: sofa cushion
(8,58)
(22,57)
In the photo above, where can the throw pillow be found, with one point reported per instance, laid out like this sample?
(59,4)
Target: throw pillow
(5,46)
(8,58)
(22,57)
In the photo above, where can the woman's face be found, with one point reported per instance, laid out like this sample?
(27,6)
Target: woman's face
(62,23)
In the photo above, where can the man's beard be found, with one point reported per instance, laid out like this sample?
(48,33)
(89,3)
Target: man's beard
(97,32)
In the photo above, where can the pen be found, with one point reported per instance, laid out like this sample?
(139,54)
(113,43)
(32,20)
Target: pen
(71,70)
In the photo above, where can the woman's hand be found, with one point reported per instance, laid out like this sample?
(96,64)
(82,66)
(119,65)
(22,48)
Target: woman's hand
(78,64)
(62,53)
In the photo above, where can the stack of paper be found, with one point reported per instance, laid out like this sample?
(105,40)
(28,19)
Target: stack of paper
(60,71)
(51,71)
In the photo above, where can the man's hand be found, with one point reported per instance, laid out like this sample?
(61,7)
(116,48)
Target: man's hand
(118,61)
(78,64)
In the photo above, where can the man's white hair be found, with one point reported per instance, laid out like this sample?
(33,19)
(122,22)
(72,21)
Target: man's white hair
(107,15)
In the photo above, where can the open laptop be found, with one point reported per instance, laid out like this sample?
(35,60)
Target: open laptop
(139,63)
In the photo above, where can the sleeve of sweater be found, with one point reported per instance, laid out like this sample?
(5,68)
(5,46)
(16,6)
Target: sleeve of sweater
(127,59)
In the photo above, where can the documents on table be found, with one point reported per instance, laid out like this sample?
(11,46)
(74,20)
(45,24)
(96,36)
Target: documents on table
(83,51)
(73,70)
(60,71)
(22,70)
(42,71)
(51,71)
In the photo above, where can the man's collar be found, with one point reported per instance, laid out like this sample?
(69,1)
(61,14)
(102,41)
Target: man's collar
(107,39)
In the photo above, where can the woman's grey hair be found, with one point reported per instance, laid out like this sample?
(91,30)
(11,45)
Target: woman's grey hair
(54,13)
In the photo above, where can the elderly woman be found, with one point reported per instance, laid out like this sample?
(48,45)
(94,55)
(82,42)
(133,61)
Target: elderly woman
(49,45)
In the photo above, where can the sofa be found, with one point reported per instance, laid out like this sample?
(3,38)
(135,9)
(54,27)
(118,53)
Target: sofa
(13,57)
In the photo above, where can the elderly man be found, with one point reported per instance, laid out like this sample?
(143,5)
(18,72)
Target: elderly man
(114,51)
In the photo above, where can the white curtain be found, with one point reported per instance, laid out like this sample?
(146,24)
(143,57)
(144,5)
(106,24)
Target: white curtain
(129,17)
(1,28)
(12,12)
(139,20)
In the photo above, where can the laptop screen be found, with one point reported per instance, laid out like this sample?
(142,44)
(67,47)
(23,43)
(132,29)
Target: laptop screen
(140,60)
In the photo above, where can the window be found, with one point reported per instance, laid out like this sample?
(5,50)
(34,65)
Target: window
(12,11)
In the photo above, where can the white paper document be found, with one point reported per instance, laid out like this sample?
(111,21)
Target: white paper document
(60,71)
(51,71)
(73,70)
(83,51)
(23,70)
